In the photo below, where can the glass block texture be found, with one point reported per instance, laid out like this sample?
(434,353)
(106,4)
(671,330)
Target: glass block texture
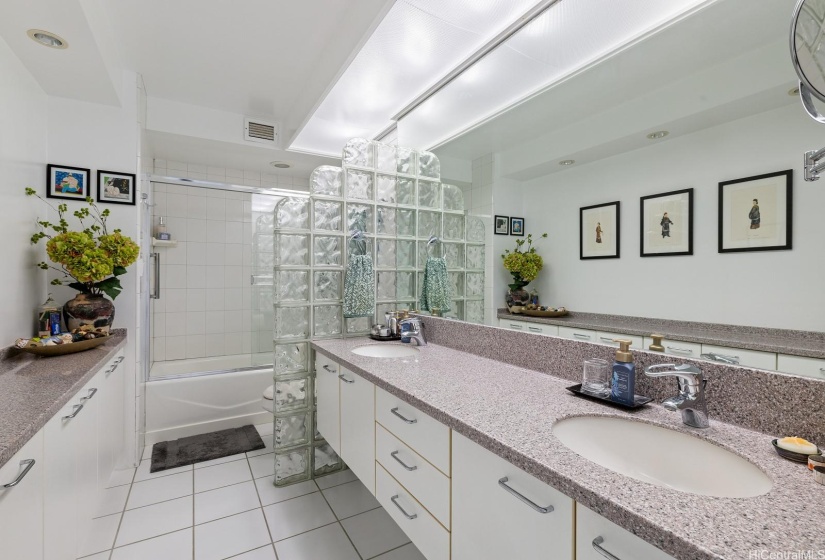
(454,227)
(293,213)
(292,430)
(452,198)
(292,250)
(385,221)
(428,165)
(359,184)
(475,257)
(385,253)
(475,229)
(360,217)
(405,160)
(405,191)
(328,215)
(291,322)
(327,251)
(291,358)
(327,180)
(358,153)
(405,222)
(292,394)
(429,194)
(327,320)
(292,466)
(385,189)
(292,285)
(384,158)
(327,285)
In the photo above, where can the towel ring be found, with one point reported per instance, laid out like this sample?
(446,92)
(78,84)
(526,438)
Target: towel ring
(432,243)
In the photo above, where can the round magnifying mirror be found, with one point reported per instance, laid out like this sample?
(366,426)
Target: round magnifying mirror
(808,52)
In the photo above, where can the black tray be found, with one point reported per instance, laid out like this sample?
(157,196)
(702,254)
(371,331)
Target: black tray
(384,338)
(792,455)
(640,401)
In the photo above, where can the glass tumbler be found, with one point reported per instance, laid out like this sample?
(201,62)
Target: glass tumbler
(596,377)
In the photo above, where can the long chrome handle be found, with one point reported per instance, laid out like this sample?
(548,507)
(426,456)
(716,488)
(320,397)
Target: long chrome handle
(394,500)
(677,350)
(606,339)
(77,408)
(597,546)
(156,293)
(407,420)
(515,327)
(29,464)
(394,455)
(535,329)
(583,336)
(503,483)
(326,367)
(345,380)
(91,394)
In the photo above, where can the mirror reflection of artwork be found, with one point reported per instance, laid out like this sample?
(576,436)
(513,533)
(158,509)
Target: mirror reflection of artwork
(115,188)
(70,183)
(599,231)
(667,224)
(755,213)
(502,225)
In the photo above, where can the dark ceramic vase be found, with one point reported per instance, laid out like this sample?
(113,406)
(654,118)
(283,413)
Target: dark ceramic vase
(87,309)
(517,295)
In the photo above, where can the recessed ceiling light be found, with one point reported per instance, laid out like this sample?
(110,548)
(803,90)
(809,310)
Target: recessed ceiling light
(280,164)
(567,162)
(47,39)
(658,134)
(793,92)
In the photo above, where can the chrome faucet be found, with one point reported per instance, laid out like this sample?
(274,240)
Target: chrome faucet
(691,398)
(417,330)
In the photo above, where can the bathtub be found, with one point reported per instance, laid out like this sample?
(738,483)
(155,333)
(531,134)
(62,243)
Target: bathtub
(195,402)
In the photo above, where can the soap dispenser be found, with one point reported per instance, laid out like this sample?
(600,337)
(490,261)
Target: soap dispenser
(656,345)
(623,379)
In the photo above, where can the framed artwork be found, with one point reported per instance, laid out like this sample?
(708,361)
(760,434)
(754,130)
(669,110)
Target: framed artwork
(501,225)
(756,213)
(517,226)
(69,183)
(667,224)
(115,188)
(599,231)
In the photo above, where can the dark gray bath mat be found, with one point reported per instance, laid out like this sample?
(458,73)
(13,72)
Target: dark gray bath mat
(204,447)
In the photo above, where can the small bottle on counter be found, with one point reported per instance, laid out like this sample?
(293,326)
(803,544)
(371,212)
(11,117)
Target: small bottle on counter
(48,318)
(623,379)
(160,231)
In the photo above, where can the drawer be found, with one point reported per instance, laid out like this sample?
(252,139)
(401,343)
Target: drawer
(583,335)
(809,367)
(678,348)
(524,326)
(429,438)
(637,342)
(324,363)
(424,531)
(749,358)
(593,528)
(426,483)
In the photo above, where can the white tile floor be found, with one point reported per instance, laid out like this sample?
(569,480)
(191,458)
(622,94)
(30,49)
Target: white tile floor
(228,508)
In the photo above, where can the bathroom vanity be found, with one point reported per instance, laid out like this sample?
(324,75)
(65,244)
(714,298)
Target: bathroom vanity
(460,451)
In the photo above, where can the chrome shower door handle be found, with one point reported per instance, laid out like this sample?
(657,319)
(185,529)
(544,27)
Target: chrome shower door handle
(156,292)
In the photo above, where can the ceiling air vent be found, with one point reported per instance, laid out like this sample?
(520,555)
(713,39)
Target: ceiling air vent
(255,130)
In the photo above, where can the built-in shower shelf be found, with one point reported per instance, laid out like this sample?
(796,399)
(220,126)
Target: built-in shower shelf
(163,243)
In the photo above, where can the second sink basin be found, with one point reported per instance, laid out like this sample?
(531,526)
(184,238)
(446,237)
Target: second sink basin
(662,457)
(385,351)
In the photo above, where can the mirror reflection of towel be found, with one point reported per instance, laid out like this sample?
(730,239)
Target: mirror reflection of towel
(359,287)
(436,292)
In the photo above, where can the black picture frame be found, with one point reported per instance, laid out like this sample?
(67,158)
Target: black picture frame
(68,183)
(665,229)
(780,222)
(616,231)
(125,183)
(517,227)
(501,225)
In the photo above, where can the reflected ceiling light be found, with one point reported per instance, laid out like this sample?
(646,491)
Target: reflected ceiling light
(280,164)
(658,134)
(47,39)
(567,162)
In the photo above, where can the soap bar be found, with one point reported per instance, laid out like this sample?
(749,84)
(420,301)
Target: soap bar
(797,445)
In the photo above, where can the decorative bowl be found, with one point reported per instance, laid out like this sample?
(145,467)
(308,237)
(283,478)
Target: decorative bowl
(63,349)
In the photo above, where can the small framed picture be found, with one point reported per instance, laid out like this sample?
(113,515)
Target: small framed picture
(756,213)
(502,225)
(517,226)
(69,183)
(599,231)
(115,188)
(667,224)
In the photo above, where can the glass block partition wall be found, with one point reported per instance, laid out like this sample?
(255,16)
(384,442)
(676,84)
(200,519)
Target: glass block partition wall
(395,195)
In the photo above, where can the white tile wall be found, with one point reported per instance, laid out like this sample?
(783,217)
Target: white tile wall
(245,177)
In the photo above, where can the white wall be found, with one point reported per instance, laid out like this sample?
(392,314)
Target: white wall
(781,289)
(22,164)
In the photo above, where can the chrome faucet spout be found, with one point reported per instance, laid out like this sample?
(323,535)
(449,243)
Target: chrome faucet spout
(691,398)
(416,331)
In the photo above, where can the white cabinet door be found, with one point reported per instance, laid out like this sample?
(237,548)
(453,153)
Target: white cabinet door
(809,367)
(111,392)
(748,358)
(594,532)
(86,457)
(584,335)
(21,503)
(500,511)
(358,426)
(328,409)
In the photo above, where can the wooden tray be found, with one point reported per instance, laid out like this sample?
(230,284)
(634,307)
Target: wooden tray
(536,313)
(63,349)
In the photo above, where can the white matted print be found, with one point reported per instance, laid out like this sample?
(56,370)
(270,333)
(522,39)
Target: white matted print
(599,231)
(667,224)
(756,213)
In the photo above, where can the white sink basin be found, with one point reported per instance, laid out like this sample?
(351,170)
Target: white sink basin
(662,457)
(385,351)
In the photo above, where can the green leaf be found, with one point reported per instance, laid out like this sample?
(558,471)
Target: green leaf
(30,191)
(80,287)
(111,287)
(119,270)
(56,282)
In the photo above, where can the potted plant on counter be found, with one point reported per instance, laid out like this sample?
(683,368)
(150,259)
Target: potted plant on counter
(92,258)
(525,266)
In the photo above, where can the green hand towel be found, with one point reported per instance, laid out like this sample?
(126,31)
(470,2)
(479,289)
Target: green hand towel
(359,287)
(436,291)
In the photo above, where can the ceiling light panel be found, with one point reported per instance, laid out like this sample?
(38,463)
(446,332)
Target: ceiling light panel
(567,37)
(417,43)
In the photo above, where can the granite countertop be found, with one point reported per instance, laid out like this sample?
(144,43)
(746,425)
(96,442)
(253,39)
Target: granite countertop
(809,344)
(511,411)
(34,389)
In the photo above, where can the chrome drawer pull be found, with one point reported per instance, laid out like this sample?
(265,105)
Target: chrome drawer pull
(677,350)
(120,359)
(326,367)
(515,327)
(91,394)
(582,336)
(29,464)
(394,455)
(394,500)
(345,380)
(407,420)
(597,546)
(606,338)
(503,483)
(534,329)
(77,408)
(110,370)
